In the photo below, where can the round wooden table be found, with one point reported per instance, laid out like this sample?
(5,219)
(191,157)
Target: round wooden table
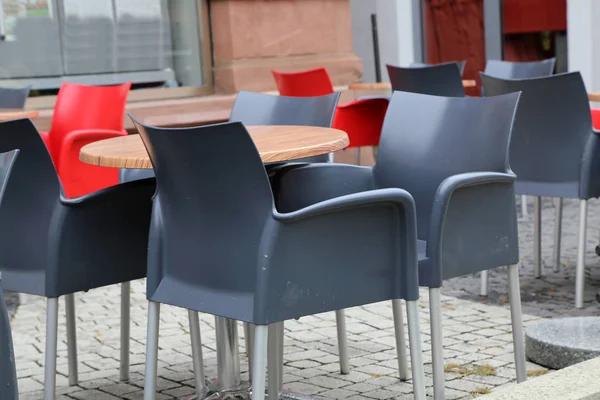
(6,114)
(274,143)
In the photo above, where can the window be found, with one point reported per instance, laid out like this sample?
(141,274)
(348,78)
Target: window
(155,44)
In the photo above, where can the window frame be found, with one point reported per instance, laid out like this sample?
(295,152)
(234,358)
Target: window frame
(204,32)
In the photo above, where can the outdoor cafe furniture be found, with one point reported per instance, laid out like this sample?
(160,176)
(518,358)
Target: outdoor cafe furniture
(523,70)
(360,119)
(53,246)
(554,151)
(460,64)
(8,375)
(258,265)
(439,80)
(520,70)
(264,109)
(451,154)
(13,97)
(84,114)
(241,194)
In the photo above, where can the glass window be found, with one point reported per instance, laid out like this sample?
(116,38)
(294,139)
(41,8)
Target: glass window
(152,43)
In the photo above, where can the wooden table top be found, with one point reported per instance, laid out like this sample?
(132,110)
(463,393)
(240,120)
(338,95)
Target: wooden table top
(468,83)
(274,143)
(594,96)
(6,114)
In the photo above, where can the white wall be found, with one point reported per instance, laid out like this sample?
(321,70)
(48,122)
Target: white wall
(583,40)
(395,31)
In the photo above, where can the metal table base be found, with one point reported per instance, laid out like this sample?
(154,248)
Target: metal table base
(229,385)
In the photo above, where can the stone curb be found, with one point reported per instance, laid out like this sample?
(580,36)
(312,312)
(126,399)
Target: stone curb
(578,382)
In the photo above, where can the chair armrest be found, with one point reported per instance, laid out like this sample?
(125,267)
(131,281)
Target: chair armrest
(373,97)
(105,233)
(79,178)
(473,224)
(75,140)
(297,187)
(347,251)
(342,203)
(366,101)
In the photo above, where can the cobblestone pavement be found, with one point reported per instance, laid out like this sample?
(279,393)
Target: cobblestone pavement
(477,339)
(554,294)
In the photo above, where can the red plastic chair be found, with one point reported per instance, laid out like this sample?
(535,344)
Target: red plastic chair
(361,119)
(596,118)
(85,114)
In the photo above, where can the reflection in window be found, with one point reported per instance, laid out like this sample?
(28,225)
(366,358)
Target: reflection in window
(154,43)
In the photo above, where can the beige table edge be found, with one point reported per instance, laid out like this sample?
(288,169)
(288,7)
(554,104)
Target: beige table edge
(96,153)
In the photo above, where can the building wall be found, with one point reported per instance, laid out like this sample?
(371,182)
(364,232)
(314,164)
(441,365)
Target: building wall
(251,37)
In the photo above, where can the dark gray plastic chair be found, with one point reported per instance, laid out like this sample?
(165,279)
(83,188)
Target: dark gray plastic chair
(13,97)
(555,152)
(8,375)
(520,70)
(451,154)
(439,80)
(265,109)
(218,244)
(52,246)
(459,64)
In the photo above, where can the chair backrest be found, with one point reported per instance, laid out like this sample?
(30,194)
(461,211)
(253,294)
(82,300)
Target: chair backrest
(425,139)
(313,82)
(29,202)
(438,80)
(459,64)
(264,109)
(212,202)
(14,97)
(520,70)
(87,107)
(552,126)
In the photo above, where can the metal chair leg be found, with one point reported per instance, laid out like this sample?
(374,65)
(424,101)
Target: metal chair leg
(152,351)
(249,338)
(51,344)
(557,232)
(125,332)
(259,362)
(524,211)
(71,339)
(516,315)
(416,354)
(340,321)
(197,358)
(400,339)
(537,237)
(275,360)
(580,273)
(437,343)
(484,283)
